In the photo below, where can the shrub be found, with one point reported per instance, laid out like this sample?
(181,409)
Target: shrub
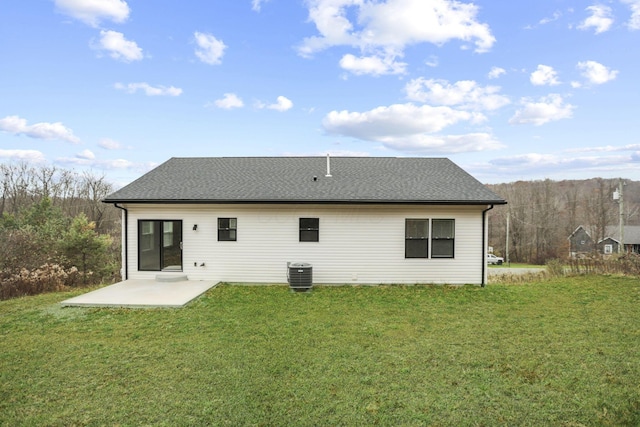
(21,248)
(29,239)
(89,251)
(628,264)
(46,278)
(555,268)
(519,278)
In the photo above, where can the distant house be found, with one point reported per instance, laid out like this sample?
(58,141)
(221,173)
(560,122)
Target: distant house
(582,244)
(355,220)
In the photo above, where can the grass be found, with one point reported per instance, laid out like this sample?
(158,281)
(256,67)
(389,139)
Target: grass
(562,352)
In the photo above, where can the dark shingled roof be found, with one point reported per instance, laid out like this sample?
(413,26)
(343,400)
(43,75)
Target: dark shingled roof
(291,180)
(631,233)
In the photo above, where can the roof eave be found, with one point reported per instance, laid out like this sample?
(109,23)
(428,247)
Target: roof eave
(314,202)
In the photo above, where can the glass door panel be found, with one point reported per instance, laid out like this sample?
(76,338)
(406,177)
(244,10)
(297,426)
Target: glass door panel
(172,245)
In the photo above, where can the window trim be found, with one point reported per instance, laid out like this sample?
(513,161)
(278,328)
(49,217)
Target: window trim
(221,230)
(311,230)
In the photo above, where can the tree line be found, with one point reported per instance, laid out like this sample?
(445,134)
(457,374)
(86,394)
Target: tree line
(55,231)
(541,215)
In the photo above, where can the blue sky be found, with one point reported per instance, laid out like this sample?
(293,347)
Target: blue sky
(508,90)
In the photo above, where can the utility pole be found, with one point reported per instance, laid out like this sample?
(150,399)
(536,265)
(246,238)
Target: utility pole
(619,197)
(506,244)
(4,192)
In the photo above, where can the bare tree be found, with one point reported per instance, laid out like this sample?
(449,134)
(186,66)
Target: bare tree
(599,209)
(16,186)
(93,189)
(542,215)
(24,185)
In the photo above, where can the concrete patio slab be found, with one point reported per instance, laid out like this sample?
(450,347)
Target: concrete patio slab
(142,294)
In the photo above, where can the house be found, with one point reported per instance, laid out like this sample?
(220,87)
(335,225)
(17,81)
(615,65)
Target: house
(358,220)
(582,244)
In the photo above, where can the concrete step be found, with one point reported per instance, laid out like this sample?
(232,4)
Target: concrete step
(171,277)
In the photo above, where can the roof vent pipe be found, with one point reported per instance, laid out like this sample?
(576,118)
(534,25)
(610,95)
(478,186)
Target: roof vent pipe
(328,175)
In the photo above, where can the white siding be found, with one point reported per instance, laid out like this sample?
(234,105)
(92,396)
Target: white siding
(359,244)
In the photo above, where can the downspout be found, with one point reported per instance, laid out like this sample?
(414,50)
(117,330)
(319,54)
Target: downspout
(125,241)
(484,244)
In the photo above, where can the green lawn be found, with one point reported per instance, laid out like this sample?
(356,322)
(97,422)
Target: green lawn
(563,353)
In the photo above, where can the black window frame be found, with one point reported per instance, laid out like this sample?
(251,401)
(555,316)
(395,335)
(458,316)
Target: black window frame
(227,232)
(309,229)
(443,244)
(416,242)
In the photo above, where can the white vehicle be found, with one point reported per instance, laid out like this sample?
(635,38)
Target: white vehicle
(492,259)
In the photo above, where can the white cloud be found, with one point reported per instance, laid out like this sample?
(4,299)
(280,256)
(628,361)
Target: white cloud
(373,65)
(547,109)
(596,73)
(384,29)
(556,15)
(110,144)
(606,149)
(525,160)
(86,154)
(496,72)
(18,126)
(444,143)
(31,156)
(606,161)
(282,104)
(544,75)
(118,47)
(396,119)
(210,50)
(229,101)
(411,128)
(148,89)
(634,21)
(546,20)
(109,164)
(466,94)
(256,5)
(600,19)
(91,12)
(552,163)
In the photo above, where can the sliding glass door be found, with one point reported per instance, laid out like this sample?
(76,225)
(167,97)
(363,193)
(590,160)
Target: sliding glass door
(159,245)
